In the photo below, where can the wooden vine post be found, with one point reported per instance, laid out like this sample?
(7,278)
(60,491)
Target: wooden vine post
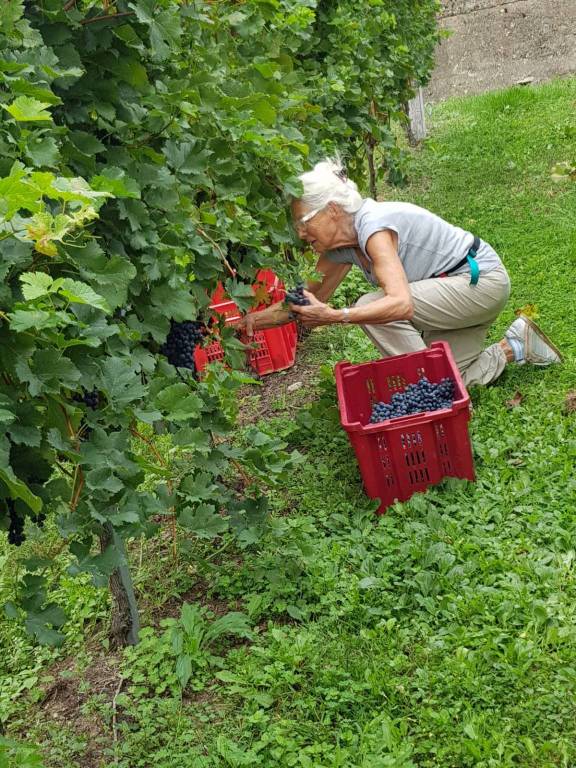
(416,129)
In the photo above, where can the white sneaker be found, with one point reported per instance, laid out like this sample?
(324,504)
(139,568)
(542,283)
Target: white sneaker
(536,346)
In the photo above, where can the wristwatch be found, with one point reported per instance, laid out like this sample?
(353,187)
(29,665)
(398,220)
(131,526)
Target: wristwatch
(346,318)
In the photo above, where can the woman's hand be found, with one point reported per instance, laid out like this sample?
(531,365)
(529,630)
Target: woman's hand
(316,313)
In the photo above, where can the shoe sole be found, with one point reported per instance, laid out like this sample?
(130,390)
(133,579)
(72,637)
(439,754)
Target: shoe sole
(543,336)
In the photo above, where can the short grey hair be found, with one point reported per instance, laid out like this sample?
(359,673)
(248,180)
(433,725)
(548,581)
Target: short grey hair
(327,183)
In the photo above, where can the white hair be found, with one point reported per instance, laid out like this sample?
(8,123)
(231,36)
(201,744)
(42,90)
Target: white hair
(327,183)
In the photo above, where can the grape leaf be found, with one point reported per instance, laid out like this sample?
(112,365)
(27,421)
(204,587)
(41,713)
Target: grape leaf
(28,109)
(72,189)
(148,417)
(16,194)
(265,112)
(113,275)
(6,416)
(16,488)
(240,293)
(164,27)
(193,438)
(120,381)
(178,402)
(10,13)
(48,372)
(103,478)
(22,320)
(27,88)
(57,440)
(198,487)
(35,284)
(80,293)
(203,521)
(38,628)
(182,304)
(86,142)
(117,182)
(100,567)
(262,295)
(43,151)
(25,435)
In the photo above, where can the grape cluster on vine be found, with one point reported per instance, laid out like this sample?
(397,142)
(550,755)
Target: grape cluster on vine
(91,399)
(182,341)
(16,530)
(416,398)
(296,296)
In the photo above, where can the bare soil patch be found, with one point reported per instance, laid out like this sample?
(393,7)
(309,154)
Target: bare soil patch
(69,689)
(283,392)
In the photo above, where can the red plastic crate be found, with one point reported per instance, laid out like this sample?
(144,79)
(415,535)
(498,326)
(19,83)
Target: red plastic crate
(274,286)
(264,277)
(273,349)
(402,456)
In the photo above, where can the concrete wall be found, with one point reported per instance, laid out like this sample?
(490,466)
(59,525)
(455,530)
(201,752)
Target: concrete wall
(496,44)
(454,7)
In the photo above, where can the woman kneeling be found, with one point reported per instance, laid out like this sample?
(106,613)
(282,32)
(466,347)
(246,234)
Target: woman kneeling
(434,281)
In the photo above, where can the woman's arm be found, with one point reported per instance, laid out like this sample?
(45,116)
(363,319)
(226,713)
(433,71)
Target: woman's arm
(271,317)
(397,304)
(277,314)
(333,274)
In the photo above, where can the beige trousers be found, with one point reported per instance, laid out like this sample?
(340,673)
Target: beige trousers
(450,309)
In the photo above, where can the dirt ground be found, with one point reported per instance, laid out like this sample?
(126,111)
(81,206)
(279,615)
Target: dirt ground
(497,44)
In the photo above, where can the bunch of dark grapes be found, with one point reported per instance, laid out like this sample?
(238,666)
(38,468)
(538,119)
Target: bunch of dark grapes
(296,296)
(181,342)
(91,399)
(416,398)
(16,530)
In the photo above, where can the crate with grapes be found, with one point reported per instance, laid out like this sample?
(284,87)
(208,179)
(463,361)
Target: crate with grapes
(407,419)
(269,350)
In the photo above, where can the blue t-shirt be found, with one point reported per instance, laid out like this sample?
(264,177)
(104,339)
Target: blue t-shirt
(427,245)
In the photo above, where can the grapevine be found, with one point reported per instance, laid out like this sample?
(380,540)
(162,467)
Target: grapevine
(140,152)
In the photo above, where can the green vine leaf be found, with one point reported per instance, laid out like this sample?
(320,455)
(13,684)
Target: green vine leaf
(116,182)
(203,521)
(43,151)
(16,488)
(165,29)
(80,293)
(35,284)
(27,109)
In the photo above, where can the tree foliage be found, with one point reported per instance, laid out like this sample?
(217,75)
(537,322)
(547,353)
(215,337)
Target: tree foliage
(147,148)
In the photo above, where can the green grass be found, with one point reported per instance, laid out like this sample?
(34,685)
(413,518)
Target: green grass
(443,634)
(487,168)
